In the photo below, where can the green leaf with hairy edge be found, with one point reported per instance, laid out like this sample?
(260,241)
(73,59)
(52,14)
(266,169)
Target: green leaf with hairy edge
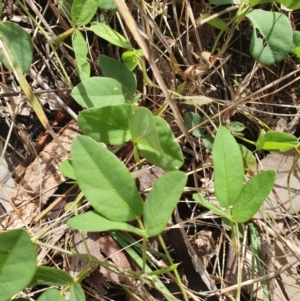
(76,292)
(275,37)
(83,11)
(203,202)
(117,70)
(91,221)
(107,124)
(171,157)
(252,196)
(98,92)
(81,50)
(108,34)
(50,276)
(131,58)
(191,120)
(216,22)
(223,2)
(51,294)
(67,169)
(228,167)
(107,5)
(20,47)
(105,181)
(162,200)
(142,128)
(18,262)
(1,7)
(276,141)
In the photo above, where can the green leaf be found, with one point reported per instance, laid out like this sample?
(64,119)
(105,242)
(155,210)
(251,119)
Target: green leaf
(228,167)
(105,181)
(296,42)
(20,47)
(248,158)
(131,58)
(18,262)
(142,128)
(117,70)
(203,202)
(83,11)
(51,295)
(191,120)
(108,34)
(81,50)
(162,200)
(222,2)
(91,221)
(272,36)
(252,196)
(50,276)
(67,169)
(290,4)
(216,22)
(98,92)
(236,126)
(76,292)
(171,157)
(276,141)
(208,141)
(107,124)
(107,5)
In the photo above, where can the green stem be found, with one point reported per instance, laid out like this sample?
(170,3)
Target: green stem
(177,276)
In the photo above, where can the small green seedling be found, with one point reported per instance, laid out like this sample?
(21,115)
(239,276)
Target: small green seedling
(272,37)
(240,201)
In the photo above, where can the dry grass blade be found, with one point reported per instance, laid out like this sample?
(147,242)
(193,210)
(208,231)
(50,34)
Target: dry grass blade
(125,13)
(29,94)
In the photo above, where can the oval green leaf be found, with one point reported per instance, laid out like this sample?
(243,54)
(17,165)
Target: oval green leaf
(67,169)
(81,50)
(107,124)
(51,276)
(20,47)
(131,58)
(142,128)
(117,70)
(105,181)
(108,34)
(252,196)
(91,221)
(98,92)
(83,11)
(162,200)
(275,37)
(191,120)
(76,292)
(171,157)
(51,295)
(228,167)
(107,5)
(18,262)
(276,141)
